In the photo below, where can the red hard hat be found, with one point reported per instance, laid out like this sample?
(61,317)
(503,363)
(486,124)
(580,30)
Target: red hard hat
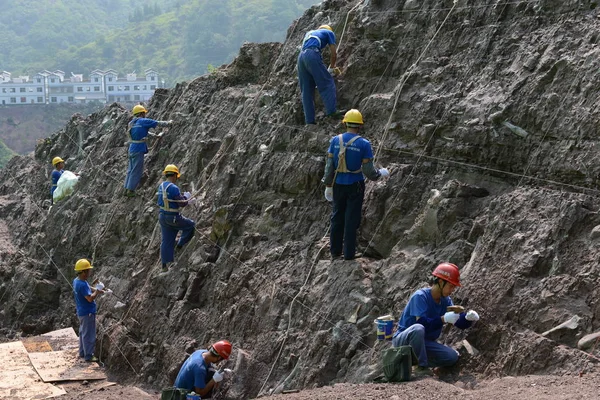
(222,348)
(448,272)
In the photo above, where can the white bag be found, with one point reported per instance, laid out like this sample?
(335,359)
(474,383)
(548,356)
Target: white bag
(64,186)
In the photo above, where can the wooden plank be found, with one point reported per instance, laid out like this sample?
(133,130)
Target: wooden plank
(18,379)
(64,365)
(63,339)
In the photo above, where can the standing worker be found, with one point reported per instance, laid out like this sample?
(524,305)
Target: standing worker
(312,72)
(424,316)
(59,168)
(197,371)
(171,201)
(138,132)
(345,183)
(85,302)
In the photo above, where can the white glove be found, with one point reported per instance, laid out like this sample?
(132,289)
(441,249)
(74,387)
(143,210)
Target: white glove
(187,195)
(170,122)
(472,316)
(100,286)
(329,194)
(191,201)
(384,172)
(217,377)
(451,317)
(331,72)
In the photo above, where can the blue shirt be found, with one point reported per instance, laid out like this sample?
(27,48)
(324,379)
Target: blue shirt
(325,38)
(193,372)
(173,193)
(138,130)
(55,177)
(81,289)
(421,304)
(355,153)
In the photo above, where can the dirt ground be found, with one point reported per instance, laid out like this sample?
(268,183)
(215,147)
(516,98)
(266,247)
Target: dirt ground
(543,387)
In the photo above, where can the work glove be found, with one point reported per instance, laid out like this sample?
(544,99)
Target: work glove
(100,286)
(334,71)
(329,194)
(217,377)
(191,201)
(451,317)
(384,173)
(472,316)
(170,122)
(187,195)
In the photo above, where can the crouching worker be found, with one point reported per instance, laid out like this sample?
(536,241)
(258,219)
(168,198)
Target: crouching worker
(424,316)
(171,201)
(198,373)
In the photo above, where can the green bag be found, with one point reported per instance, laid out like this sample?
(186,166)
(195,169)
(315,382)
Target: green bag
(398,362)
(173,393)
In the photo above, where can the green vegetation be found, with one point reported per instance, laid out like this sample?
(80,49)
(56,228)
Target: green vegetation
(178,38)
(5,154)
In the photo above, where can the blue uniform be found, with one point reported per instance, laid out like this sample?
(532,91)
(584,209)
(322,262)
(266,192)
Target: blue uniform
(194,372)
(171,221)
(355,153)
(138,132)
(55,176)
(312,73)
(86,312)
(422,334)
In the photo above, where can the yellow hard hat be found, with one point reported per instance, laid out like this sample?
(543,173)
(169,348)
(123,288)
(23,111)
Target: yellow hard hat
(57,160)
(82,265)
(138,109)
(172,168)
(326,27)
(353,117)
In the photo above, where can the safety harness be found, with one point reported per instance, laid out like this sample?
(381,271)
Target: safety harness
(342,167)
(131,137)
(165,207)
(310,35)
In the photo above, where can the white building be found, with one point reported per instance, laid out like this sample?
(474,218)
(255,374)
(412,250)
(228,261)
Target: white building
(52,87)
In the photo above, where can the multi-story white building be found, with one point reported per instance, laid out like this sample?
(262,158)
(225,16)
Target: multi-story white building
(53,87)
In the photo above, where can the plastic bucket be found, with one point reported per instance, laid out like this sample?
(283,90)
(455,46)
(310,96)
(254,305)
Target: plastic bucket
(385,326)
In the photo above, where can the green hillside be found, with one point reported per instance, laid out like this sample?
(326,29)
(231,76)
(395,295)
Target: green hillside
(5,154)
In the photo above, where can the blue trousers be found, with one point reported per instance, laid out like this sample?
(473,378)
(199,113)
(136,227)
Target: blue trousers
(134,171)
(87,335)
(429,352)
(169,226)
(312,73)
(345,218)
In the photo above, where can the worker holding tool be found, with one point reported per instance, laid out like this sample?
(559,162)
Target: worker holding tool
(427,311)
(198,373)
(348,157)
(85,302)
(138,132)
(59,168)
(312,72)
(171,201)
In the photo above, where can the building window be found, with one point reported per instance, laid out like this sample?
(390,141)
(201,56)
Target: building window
(22,90)
(95,79)
(52,80)
(39,89)
(136,97)
(96,88)
(39,80)
(13,99)
(152,87)
(40,99)
(110,79)
(127,97)
(145,87)
(31,89)
(152,78)
(127,88)
(79,89)
(12,90)
(71,99)
(87,88)
(3,90)
(136,87)
(111,88)
(23,99)
(53,99)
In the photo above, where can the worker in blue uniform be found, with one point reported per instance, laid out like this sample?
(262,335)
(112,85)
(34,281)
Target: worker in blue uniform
(139,128)
(427,311)
(312,72)
(348,158)
(59,168)
(171,201)
(85,302)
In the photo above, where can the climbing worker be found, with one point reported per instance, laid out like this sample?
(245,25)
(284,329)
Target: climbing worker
(345,183)
(198,373)
(59,168)
(138,132)
(85,302)
(312,72)
(171,201)
(427,311)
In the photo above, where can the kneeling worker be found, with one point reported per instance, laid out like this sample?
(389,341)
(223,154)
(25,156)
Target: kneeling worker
(424,316)
(171,201)
(197,371)
(59,168)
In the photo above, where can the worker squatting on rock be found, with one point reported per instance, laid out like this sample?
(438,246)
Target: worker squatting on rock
(171,201)
(346,183)
(312,72)
(85,302)
(59,168)
(199,374)
(424,316)
(138,132)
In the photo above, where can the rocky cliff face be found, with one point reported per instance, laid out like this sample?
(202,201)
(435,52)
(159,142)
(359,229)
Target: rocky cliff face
(485,114)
